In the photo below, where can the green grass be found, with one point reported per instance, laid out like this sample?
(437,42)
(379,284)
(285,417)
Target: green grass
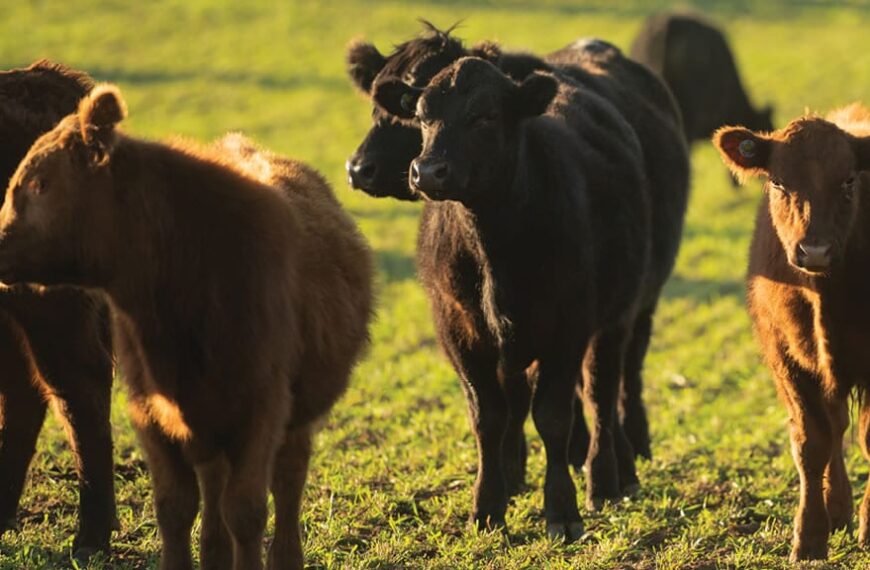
(390,485)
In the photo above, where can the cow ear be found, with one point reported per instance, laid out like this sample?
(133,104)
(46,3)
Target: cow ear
(364,62)
(99,113)
(397,98)
(535,94)
(744,152)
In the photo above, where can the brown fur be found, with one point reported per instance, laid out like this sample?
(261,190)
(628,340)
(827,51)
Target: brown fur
(807,284)
(241,295)
(54,343)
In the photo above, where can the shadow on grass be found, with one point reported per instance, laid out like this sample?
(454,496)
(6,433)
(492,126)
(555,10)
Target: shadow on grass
(703,290)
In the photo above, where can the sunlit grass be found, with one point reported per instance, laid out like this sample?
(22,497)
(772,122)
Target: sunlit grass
(390,484)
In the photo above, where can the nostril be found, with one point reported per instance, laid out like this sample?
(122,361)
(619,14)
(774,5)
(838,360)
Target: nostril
(441,171)
(415,172)
(366,170)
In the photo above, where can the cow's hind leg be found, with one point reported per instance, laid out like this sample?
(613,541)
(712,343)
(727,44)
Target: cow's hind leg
(288,481)
(215,543)
(244,501)
(610,464)
(514,450)
(176,496)
(552,409)
(634,419)
(578,446)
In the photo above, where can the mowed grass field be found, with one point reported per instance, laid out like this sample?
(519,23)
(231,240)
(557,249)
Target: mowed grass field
(390,483)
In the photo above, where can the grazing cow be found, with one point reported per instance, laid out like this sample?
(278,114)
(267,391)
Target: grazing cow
(807,291)
(645,102)
(533,189)
(55,344)
(241,294)
(693,58)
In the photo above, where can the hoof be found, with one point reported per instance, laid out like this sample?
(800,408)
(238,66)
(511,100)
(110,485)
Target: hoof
(85,553)
(488,523)
(806,551)
(643,454)
(630,490)
(595,504)
(569,532)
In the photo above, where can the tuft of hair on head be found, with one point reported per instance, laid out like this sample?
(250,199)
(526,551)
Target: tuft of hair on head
(432,29)
(103,108)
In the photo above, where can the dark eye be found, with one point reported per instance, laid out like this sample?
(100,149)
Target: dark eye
(36,186)
(424,124)
(848,188)
(482,120)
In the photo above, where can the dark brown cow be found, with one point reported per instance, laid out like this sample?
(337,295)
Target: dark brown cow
(54,343)
(809,273)
(693,58)
(241,294)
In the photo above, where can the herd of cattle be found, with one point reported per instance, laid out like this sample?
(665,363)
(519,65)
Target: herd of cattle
(236,293)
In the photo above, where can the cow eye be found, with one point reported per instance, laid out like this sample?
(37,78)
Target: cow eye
(36,186)
(848,187)
(482,120)
(425,125)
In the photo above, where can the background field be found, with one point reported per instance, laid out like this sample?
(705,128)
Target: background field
(390,484)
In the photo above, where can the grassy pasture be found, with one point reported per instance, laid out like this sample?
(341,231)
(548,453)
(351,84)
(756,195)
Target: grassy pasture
(391,479)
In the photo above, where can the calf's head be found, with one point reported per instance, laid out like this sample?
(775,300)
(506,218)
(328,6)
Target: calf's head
(469,115)
(55,220)
(812,184)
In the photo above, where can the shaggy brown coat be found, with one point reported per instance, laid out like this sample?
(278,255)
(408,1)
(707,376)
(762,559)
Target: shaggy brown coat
(240,308)
(55,344)
(807,293)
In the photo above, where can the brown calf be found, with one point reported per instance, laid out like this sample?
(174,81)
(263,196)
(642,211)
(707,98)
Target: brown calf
(809,273)
(55,344)
(241,304)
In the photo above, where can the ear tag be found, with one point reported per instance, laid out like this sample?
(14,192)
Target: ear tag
(746,148)
(407,102)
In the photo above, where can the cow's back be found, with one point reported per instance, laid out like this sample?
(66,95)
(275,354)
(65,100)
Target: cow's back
(648,107)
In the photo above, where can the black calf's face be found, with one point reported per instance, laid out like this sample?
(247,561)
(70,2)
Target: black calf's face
(469,116)
(379,167)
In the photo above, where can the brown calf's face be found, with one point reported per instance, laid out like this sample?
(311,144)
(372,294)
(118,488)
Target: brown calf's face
(813,185)
(469,116)
(51,219)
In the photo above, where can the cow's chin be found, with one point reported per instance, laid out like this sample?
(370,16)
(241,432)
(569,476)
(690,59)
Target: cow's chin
(810,271)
